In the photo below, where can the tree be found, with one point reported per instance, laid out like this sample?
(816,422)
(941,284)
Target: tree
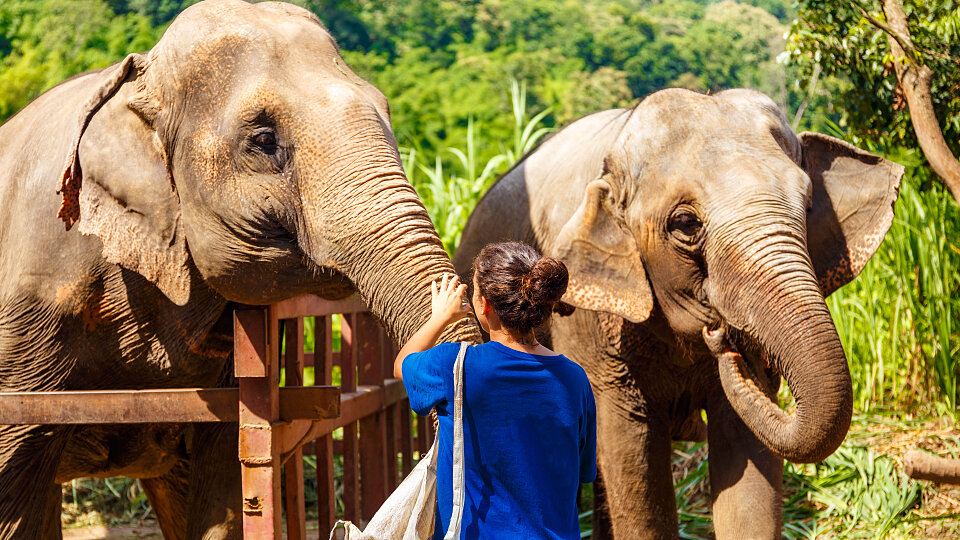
(51,40)
(901,61)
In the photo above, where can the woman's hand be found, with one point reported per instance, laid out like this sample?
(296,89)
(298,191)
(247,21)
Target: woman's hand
(448,305)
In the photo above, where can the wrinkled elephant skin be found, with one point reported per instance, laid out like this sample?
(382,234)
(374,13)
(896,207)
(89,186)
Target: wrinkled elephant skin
(238,161)
(701,235)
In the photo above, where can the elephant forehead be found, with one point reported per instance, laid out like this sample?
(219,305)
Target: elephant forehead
(731,120)
(277,24)
(219,39)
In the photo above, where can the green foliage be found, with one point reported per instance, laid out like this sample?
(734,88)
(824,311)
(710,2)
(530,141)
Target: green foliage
(47,41)
(856,490)
(831,38)
(577,57)
(89,501)
(451,193)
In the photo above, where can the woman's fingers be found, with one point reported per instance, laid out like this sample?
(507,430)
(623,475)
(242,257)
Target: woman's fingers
(464,305)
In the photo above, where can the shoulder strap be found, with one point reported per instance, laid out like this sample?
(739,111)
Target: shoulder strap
(459,488)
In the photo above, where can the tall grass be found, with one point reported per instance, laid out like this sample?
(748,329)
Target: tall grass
(898,319)
(451,182)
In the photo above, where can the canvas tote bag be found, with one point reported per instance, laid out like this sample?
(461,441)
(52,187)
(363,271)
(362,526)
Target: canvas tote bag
(409,512)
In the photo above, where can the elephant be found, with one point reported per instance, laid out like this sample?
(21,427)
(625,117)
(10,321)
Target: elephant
(239,161)
(701,235)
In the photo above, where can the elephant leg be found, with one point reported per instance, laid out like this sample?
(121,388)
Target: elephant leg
(168,497)
(29,495)
(634,457)
(51,517)
(745,477)
(602,528)
(214,500)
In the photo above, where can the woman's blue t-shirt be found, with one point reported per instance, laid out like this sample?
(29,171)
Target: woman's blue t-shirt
(530,438)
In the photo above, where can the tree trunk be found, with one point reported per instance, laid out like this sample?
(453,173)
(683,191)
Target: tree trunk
(914,80)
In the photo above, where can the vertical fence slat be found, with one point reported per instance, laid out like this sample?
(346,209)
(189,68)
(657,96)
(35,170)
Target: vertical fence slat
(323,370)
(349,351)
(391,415)
(293,469)
(406,437)
(422,436)
(373,433)
(390,419)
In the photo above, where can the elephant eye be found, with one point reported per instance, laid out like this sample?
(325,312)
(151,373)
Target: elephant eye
(266,141)
(685,223)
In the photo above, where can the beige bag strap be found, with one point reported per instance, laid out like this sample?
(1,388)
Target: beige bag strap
(459,480)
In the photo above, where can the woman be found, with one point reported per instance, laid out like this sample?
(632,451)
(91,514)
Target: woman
(529,414)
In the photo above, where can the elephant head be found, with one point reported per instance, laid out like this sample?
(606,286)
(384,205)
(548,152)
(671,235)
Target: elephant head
(713,211)
(241,149)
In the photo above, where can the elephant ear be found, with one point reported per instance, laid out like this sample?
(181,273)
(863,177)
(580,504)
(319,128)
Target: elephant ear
(118,187)
(606,272)
(853,197)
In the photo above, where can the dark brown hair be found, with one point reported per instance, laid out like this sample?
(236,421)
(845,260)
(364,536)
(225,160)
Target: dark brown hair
(522,286)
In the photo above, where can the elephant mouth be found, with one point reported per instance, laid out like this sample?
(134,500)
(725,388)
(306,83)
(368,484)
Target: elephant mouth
(760,365)
(333,283)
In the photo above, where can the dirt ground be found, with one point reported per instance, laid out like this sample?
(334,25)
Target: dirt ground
(937,515)
(96,532)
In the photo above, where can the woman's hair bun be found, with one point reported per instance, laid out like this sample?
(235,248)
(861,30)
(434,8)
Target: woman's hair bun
(522,286)
(546,282)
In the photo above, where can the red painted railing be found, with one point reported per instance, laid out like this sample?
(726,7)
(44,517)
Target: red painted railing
(279,424)
(377,441)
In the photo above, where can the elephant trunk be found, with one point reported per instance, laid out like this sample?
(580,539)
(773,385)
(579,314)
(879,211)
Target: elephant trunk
(771,296)
(920,465)
(366,222)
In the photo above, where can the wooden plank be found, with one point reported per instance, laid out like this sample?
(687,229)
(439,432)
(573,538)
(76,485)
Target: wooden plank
(309,402)
(176,405)
(323,446)
(423,437)
(293,355)
(309,305)
(349,350)
(249,331)
(391,448)
(120,406)
(373,427)
(326,497)
(406,438)
(293,468)
(363,401)
(308,358)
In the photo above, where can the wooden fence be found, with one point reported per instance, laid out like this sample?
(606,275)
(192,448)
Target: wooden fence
(279,424)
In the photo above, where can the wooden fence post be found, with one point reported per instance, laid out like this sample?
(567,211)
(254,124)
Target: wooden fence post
(257,367)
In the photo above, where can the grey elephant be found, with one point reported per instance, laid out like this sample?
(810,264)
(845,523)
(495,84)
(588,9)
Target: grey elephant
(239,161)
(701,235)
